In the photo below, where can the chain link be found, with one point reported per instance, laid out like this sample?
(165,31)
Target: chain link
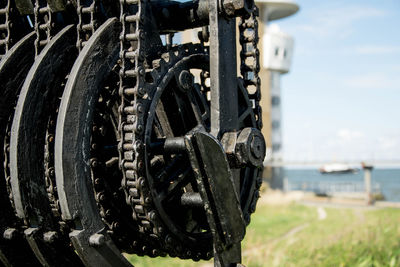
(250,61)
(132,116)
(131,121)
(4,27)
(250,68)
(87,23)
(43,25)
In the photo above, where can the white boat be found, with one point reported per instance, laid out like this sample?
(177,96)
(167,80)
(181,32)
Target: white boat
(337,168)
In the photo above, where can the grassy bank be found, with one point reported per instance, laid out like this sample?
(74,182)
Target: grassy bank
(297,235)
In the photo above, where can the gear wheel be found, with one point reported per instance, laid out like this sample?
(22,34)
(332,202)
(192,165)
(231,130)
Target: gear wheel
(179,105)
(175,105)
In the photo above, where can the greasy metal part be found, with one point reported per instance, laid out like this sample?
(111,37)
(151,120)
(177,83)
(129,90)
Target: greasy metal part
(13,69)
(72,150)
(44,26)
(12,26)
(48,23)
(250,61)
(223,78)
(192,199)
(182,230)
(140,45)
(173,16)
(4,26)
(250,147)
(244,148)
(217,190)
(105,175)
(88,20)
(38,97)
(105,172)
(57,5)
(235,8)
(152,78)
(25,7)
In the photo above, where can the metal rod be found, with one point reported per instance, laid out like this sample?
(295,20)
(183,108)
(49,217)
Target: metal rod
(223,75)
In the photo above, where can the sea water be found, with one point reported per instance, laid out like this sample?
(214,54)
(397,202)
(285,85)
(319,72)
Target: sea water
(387,180)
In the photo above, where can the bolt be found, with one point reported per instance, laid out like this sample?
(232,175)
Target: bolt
(186,80)
(108,213)
(10,233)
(50,138)
(101,197)
(94,163)
(50,237)
(155,252)
(96,240)
(115,225)
(168,240)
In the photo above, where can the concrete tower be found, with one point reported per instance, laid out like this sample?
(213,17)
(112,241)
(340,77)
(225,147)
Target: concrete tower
(276,53)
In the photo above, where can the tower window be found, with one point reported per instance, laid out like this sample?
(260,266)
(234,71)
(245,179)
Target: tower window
(276,124)
(276,147)
(275,101)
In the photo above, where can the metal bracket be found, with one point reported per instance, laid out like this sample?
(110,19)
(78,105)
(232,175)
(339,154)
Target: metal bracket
(219,195)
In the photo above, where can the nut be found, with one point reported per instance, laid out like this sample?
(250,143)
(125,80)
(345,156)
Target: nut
(96,240)
(234,8)
(186,81)
(250,147)
(50,237)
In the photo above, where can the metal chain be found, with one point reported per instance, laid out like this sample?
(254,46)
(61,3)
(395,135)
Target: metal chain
(51,126)
(87,23)
(132,115)
(249,68)
(43,25)
(131,121)
(250,61)
(4,27)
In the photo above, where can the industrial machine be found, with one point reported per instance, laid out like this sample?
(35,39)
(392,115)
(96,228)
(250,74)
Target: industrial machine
(118,139)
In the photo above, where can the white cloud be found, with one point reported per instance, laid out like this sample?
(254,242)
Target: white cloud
(377,49)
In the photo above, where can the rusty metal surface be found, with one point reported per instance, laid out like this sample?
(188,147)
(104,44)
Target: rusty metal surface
(89,237)
(39,96)
(108,170)
(13,69)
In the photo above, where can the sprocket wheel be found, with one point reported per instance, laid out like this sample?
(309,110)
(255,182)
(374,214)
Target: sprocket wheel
(164,225)
(178,106)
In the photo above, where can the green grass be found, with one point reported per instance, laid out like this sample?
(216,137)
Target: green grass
(292,235)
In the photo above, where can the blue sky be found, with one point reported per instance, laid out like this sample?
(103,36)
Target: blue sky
(341,100)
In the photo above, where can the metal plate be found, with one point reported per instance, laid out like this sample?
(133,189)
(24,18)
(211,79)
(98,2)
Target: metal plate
(91,241)
(13,69)
(38,99)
